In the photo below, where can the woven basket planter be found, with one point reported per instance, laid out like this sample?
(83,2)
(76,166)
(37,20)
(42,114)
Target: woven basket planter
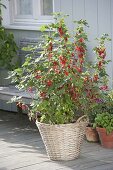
(63,141)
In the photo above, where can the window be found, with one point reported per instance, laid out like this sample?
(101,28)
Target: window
(26,13)
(24,7)
(46,7)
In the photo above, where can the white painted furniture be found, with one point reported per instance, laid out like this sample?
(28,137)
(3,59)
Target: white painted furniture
(6,93)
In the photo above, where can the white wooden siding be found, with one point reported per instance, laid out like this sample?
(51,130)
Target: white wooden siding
(104,26)
(111,9)
(99,15)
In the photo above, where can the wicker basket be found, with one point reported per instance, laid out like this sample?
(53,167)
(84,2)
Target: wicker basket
(63,141)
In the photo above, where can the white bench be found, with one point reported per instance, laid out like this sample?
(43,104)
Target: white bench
(6,93)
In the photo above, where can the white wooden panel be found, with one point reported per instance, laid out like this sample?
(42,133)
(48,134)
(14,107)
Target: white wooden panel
(91,17)
(66,8)
(57,5)
(13,107)
(112,38)
(6,106)
(103,16)
(104,26)
(91,11)
(78,9)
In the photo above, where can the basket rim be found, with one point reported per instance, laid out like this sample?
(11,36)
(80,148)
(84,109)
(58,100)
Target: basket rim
(57,125)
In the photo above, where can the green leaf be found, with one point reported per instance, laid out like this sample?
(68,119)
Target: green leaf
(43,28)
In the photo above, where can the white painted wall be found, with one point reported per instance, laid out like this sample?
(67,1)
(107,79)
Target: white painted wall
(99,15)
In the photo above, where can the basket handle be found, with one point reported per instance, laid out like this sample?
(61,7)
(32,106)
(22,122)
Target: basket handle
(82,118)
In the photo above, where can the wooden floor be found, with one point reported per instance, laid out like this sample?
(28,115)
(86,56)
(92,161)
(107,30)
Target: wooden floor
(21,148)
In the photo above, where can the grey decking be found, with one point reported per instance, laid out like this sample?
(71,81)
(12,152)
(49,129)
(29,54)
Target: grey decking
(21,148)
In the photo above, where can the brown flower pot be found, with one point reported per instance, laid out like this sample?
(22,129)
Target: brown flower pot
(91,135)
(105,139)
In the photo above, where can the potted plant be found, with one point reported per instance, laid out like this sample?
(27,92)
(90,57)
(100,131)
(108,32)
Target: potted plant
(101,78)
(104,125)
(65,89)
(91,133)
(103,121)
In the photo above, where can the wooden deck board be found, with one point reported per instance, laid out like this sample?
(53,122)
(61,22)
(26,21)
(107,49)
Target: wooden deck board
(21,148)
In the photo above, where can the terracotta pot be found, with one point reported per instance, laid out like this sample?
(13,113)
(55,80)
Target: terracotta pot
(105,139)
(91,135)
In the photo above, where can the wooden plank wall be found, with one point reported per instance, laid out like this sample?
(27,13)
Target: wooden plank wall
(111,17)
(99,15)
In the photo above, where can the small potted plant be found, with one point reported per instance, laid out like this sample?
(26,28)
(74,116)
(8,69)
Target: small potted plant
(104,125)
(101,78)
(91,132)
(104,119)
(64,87)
